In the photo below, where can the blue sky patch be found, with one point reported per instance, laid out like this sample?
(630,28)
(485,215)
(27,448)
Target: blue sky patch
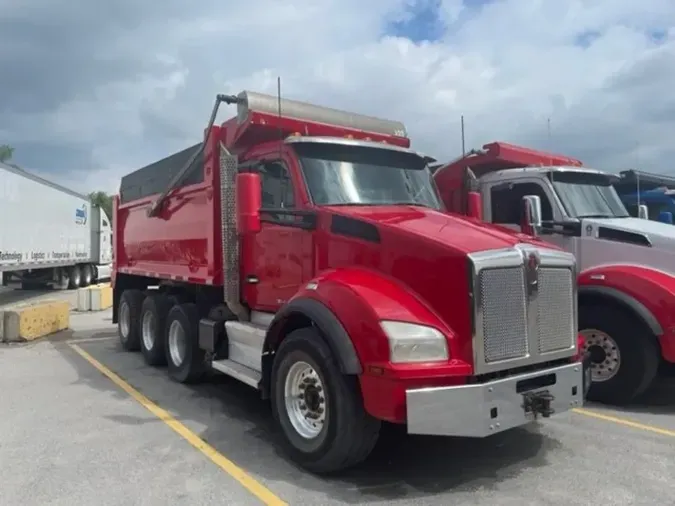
(585,39)
(422,23)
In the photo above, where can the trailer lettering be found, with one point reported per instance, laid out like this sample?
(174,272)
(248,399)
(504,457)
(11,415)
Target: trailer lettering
(37,255)
(10,255)
(60,255)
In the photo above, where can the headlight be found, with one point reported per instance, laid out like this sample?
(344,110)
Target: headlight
(410,342)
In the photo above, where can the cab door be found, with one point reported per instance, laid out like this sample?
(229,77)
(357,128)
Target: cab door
(281,254)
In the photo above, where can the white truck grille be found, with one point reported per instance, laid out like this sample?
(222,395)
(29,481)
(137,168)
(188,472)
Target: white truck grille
(523,317)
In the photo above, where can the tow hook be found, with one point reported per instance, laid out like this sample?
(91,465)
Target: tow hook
(538,403)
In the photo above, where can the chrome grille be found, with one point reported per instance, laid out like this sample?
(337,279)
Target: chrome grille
(502,293)
(555,309)
(524,307)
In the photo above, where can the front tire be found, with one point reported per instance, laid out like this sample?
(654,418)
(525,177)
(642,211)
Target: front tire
(319,410)
(154,313)
(624,354)
(185,360)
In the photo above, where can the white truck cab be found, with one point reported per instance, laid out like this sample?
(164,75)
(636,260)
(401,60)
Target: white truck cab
(626,265)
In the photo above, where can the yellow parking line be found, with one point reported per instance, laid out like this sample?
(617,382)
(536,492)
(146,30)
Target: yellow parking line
(256,488)
(625,421)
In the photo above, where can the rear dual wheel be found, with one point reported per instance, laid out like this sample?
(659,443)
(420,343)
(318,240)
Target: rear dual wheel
(154,312)
(186,360)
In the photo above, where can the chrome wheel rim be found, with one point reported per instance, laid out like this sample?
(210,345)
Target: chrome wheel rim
(305,401)
(148,330)
(177,343)
(125,324)
(605,354)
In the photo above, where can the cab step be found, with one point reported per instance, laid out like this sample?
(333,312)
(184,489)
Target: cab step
(245,343)
(238,371)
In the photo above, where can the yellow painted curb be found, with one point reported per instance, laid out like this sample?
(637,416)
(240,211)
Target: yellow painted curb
(26,323)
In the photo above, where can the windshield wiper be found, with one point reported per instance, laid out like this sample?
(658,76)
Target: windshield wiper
(418,204)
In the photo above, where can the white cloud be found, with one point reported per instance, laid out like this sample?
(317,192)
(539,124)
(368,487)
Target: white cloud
(506,65)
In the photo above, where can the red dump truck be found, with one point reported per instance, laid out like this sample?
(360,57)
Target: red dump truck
(626,275)
(305,252)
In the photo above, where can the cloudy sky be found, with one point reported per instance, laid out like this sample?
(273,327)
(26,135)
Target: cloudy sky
(92,90)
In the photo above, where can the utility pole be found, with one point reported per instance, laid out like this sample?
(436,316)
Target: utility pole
(463,145)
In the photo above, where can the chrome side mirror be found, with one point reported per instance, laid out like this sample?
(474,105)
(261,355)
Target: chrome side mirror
(643,212)
(531,215)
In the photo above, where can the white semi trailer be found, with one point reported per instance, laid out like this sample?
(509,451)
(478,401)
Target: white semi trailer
(50,235)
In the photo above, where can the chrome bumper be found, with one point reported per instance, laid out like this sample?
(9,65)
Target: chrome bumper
(487,408)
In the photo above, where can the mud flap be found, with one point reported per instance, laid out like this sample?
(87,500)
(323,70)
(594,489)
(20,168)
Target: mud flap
(586,364)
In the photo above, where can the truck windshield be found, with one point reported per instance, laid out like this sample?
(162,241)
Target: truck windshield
(338,174)
(588,195)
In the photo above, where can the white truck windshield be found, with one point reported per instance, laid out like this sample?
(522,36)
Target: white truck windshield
(588,195)
(354,175)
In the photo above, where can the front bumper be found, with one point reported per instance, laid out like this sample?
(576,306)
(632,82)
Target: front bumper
(483,409)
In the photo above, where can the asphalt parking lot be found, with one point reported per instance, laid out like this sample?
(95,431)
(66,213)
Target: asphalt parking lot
(84,422)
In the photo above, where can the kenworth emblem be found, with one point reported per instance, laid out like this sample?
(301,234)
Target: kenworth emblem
(532,273)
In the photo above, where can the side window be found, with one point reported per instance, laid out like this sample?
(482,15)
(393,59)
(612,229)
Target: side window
(506,200)
(277,187)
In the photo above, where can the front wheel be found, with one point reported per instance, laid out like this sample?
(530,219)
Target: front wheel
(319,410)
(624,354)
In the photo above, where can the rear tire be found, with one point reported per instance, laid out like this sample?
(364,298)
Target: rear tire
(625,354)
(129,313)
(153,317)
(185,360)
(87,275)
(75,277)
(328,428)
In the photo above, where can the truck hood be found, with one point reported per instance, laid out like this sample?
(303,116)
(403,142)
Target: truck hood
(459,233)
(629,241)
(659,234)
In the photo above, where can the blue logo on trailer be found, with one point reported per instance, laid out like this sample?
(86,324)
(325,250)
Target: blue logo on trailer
(81,215)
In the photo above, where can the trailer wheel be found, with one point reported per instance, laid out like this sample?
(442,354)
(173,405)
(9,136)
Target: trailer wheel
(185,360)
(154,312)
(624,354)
(75,276)
(319,410)
(129,312)
(87,275)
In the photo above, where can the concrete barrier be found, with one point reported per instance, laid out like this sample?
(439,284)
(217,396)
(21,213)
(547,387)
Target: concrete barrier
(32,321)
(94,298)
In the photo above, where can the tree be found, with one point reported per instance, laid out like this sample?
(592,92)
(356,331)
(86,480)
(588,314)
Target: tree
(6,152)
(102,200)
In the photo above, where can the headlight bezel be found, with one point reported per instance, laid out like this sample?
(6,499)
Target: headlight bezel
(411,343)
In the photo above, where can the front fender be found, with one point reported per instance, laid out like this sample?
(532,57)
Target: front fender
(359,298)
(649,293)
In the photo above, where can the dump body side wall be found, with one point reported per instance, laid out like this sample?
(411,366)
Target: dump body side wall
(183,242)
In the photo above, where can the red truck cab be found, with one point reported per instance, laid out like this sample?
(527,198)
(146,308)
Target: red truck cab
(307,253)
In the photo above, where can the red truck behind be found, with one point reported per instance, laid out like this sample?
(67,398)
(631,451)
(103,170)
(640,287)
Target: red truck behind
(305,252)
